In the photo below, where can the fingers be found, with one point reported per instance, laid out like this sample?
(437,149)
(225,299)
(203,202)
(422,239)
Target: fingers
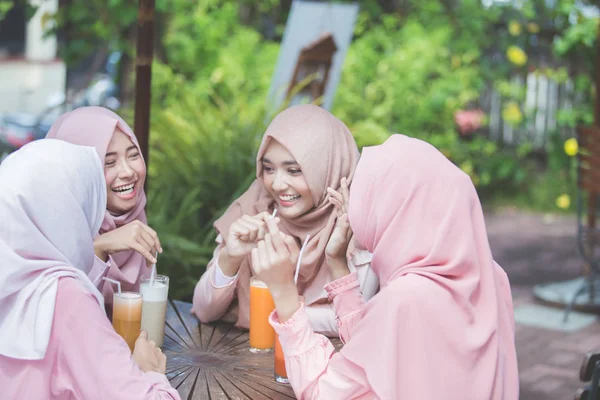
(144,252)
(263,216)
(143,335)
(344,226)
(339,207)
(345,192)
(162,363)
(292,247)
(337,200)
(153,235)
(262,252)
(147,241)
(257,227)
(256,261)
(272,226)
(249,229)
(276,248)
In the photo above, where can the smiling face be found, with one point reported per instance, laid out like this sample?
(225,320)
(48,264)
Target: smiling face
(125,173)
(283,178)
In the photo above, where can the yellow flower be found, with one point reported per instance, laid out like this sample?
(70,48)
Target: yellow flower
(532,27)
(216,76)
(512,113)
(455,61)
(514,28)
(516,56)
(563,201)
(571,147)
(467,168)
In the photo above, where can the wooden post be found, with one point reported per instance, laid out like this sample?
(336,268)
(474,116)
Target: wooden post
(597,68)
(143,74)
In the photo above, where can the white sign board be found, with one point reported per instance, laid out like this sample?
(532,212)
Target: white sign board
(307,22)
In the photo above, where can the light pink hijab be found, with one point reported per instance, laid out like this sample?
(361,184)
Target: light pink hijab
(52,200)
(326,151)
(95,126)
(442,325)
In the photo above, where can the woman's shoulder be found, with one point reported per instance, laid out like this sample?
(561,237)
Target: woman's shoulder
(72,294)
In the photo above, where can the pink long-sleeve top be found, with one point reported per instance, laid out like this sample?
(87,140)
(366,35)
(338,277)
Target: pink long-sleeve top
(313,369)
(85,359)
(215,292)
(99,270)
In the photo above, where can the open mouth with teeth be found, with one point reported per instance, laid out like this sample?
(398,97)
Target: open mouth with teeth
(125,190)
(287,200)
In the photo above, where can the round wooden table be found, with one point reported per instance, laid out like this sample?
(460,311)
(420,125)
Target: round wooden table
(213,361)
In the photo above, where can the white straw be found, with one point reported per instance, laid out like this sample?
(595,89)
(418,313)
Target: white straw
(274,213)
(153,272)
(300,258)
(116,283)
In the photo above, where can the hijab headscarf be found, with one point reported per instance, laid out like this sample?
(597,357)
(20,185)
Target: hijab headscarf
(52,201)
(442,324)
(95,126)
(326,151)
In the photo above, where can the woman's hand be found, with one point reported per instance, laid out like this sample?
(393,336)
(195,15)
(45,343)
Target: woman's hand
(147,356)
(337,246)
(274,261)
(135,236)
(242,237)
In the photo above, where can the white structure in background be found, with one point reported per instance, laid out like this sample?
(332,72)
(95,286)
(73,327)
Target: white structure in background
(307,23)
(29,69)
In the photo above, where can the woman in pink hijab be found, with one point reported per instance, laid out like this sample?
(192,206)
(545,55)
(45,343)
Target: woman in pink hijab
(126,245)
(441,326)
(56,340)
(305,155)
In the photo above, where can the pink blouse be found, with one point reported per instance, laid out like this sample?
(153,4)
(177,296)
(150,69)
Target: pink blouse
(213,294)
(314,370)
(85,359)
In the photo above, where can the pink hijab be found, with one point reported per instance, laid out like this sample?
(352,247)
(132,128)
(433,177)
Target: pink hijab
(442,324)
(326,152)
(95,126)
(52,199)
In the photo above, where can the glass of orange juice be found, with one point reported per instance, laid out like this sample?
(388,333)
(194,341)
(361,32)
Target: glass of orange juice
(262,334)
(127,316)
(280,372)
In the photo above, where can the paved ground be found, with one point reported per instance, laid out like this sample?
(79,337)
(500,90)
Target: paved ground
(536,249)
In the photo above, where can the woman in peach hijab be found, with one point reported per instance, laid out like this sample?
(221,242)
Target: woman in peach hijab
(305,155)
(441,326)
(126,245)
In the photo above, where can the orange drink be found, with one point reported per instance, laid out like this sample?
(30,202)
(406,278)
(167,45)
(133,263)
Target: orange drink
(262,335)
(127,316)
(280,372)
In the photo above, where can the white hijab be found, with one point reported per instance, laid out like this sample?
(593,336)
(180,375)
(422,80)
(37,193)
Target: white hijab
(52,202)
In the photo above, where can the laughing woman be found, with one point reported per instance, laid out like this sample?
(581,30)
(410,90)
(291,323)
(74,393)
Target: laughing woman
(126,245)
(306,156)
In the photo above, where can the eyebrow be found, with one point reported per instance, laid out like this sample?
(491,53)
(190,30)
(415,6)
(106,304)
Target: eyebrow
(294,162)
(112,153)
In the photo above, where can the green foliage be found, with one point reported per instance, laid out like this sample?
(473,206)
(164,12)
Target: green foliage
(411,66)
(207,121)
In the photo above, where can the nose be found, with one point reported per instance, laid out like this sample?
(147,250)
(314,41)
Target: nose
(125,170)
(279,182)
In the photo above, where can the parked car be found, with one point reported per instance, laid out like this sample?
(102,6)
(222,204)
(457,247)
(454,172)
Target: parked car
(18,129)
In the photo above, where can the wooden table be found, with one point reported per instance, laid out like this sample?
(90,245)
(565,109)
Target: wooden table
(213,361)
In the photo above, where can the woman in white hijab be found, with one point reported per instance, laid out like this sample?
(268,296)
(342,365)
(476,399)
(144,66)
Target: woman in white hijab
(56,340)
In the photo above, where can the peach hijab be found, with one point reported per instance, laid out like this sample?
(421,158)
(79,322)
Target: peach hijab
(442,324)
(95,126)
(326,151)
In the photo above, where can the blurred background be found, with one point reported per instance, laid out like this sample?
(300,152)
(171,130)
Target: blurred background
(499,86)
